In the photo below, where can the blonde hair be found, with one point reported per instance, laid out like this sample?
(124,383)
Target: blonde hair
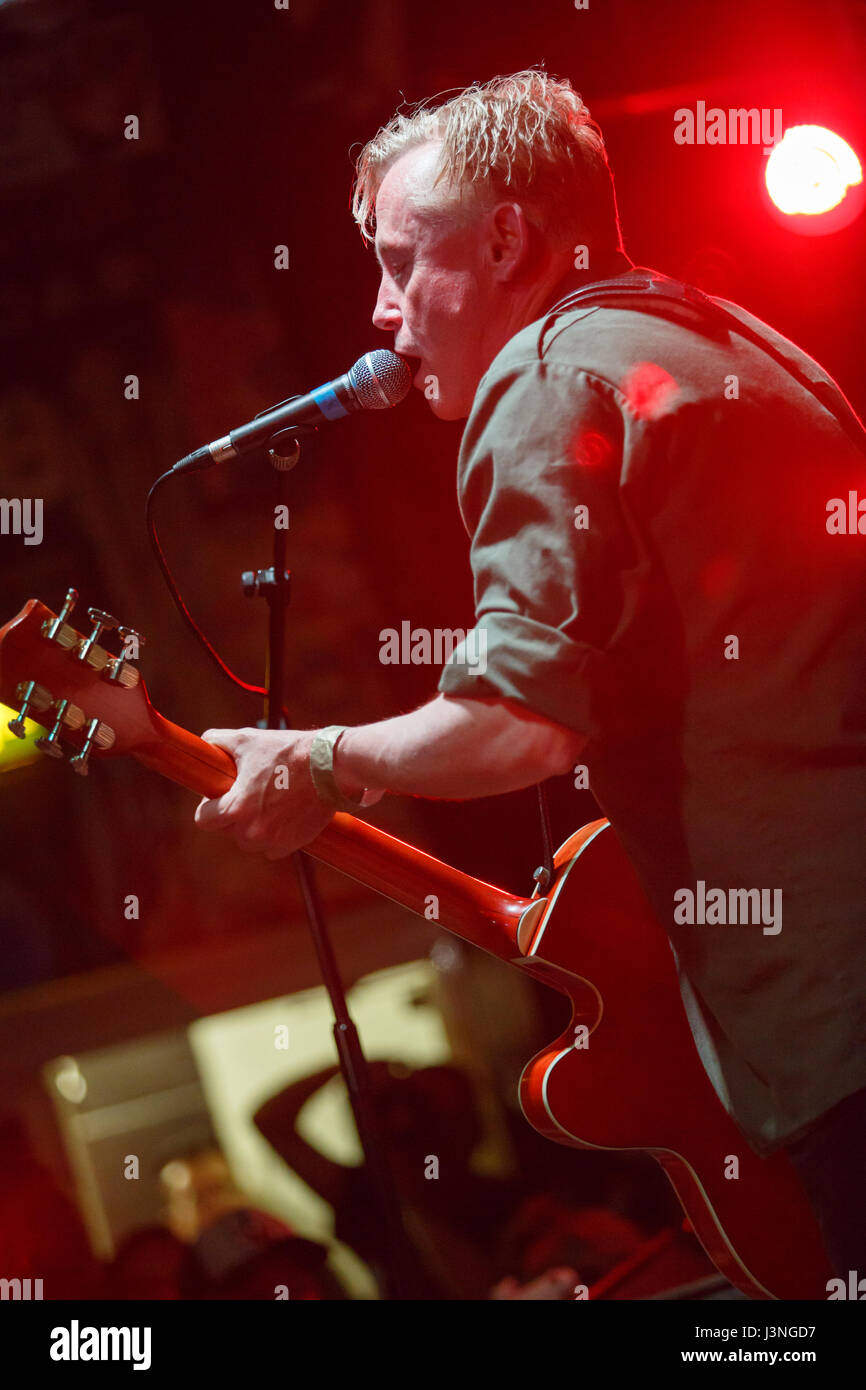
(527,137)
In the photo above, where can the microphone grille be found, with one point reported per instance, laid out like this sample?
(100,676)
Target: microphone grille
(380,379)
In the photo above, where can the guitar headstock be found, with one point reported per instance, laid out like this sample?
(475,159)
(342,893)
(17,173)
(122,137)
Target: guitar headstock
(90,701)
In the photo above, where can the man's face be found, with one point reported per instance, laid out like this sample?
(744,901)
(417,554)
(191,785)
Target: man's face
(436,293)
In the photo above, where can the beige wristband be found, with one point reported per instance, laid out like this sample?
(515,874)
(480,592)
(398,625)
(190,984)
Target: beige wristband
(322,770)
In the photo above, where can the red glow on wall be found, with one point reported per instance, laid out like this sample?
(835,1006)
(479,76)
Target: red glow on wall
(718,575)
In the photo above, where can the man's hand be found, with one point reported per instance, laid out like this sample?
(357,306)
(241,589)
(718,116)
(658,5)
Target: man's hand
(449,748)
(272,808)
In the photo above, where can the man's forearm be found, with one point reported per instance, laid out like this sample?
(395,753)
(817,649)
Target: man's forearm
(455,749)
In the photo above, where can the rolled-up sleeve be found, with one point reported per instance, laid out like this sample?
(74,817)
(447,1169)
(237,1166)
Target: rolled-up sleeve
(538,487)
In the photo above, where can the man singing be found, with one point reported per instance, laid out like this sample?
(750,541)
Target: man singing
(662,598)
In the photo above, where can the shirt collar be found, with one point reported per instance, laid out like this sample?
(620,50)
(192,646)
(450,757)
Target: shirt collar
(618,263)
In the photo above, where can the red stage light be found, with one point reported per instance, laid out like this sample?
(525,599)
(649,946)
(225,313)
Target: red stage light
(815,180)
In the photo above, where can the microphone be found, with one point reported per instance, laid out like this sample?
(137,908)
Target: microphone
(377,381)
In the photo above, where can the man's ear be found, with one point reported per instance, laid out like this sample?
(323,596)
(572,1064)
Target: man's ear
(507,239)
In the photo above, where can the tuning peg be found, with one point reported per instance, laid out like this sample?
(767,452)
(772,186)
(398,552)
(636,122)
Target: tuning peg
(98,735)
(120,670)
(124,633)
(32,696)
(67,714)
(101,621)
(57,629)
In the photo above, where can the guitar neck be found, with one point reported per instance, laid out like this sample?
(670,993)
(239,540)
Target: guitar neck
(478,912)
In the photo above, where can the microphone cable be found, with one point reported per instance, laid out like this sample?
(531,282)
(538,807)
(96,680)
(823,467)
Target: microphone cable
(182,609)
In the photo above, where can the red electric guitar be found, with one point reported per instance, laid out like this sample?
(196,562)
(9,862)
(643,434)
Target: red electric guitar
(638,1085)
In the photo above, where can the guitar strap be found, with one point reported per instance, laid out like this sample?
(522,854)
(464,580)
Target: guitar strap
(651,291)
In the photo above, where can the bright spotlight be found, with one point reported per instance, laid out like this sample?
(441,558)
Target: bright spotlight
(810,172)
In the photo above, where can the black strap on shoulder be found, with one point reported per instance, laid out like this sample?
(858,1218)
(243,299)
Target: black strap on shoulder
(654,289)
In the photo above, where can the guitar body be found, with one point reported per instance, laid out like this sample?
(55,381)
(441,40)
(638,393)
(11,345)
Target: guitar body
(639,1083)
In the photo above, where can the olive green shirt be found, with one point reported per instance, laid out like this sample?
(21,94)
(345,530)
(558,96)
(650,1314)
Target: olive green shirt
(648,512)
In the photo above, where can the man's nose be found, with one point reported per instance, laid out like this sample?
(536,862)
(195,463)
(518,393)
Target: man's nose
(386,314)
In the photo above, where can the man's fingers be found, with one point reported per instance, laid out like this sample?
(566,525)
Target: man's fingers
(223,738)
(210,814)
(257,812)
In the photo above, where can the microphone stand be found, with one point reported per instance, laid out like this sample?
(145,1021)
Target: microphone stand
(274,585)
